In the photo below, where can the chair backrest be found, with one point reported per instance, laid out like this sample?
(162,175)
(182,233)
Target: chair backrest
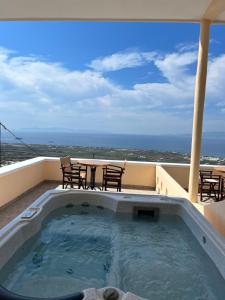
(65,163)
(114,170)
(204,174)
(218,179)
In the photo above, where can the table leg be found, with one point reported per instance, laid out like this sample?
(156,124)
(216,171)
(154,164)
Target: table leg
(92,180)
(92,185)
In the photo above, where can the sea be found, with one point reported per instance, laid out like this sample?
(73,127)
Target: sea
(213,144)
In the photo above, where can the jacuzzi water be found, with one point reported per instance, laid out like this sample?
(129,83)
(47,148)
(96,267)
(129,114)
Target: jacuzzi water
(81,247)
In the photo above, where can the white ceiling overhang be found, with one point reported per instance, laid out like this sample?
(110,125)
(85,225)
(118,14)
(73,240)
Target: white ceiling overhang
(114,10)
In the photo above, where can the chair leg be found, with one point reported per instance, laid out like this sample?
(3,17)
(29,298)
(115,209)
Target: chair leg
(119,186)
(201,196)
(63,182)
(79,184)
(82,184)
(221,195)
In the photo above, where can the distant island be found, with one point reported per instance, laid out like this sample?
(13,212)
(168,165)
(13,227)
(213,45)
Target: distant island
(11,153)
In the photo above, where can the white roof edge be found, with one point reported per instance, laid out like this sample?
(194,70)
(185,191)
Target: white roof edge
(188,11)
(116,20)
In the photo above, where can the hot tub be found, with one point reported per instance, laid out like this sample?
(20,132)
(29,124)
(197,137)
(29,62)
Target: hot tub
(152,246)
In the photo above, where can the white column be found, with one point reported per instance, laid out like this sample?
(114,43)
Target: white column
(199,100)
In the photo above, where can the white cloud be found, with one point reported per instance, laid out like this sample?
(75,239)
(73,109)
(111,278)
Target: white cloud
(175,67)
(186,47)
(216,80)
(123,60)
(37,93)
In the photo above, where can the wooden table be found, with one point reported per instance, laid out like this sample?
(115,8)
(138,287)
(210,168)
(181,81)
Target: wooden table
(93,164)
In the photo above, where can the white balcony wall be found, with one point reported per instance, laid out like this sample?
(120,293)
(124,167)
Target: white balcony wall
(167,185)
(18,178)
(139,174)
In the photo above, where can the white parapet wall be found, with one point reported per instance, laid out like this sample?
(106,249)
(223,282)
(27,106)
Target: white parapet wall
(139,174)
(167,185)
(215,214)
(18,178)
(180,172)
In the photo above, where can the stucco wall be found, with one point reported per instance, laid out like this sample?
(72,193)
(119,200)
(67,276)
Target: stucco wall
(167,185)
(18,178)
(180,174)
(136,173)
(215,214)
(168,179)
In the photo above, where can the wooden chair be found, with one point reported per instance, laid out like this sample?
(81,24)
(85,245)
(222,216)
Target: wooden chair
(210,185)
(73,174)
(112,177)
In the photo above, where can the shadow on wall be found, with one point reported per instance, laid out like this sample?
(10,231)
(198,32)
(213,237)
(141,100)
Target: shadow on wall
(167,185)
(215,214)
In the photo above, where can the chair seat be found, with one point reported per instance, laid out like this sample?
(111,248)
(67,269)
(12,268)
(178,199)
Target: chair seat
(210,185)
(74,176)
(211,180)
(75,172)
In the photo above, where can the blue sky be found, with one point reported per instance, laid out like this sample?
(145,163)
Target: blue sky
(111,77)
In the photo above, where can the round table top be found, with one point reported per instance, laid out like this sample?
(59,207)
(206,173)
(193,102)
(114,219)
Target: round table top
(93,162)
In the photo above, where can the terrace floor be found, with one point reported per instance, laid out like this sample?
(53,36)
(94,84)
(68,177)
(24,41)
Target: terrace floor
(9,212)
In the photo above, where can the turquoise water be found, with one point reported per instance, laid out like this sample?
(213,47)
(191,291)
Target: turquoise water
(81,247)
